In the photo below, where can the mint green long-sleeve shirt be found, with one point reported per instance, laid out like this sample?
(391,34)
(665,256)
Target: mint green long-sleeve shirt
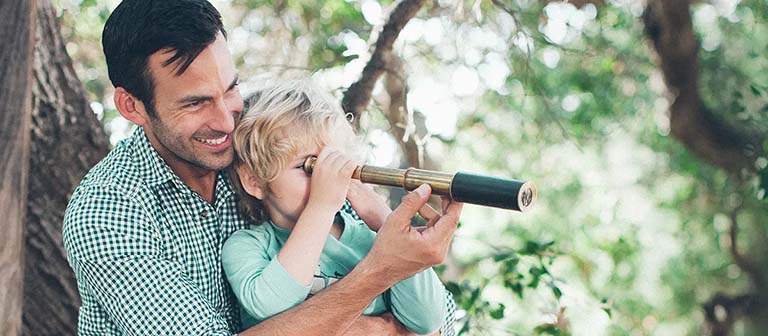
(264,288)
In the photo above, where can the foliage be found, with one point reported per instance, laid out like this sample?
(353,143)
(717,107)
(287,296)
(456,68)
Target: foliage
(569,98)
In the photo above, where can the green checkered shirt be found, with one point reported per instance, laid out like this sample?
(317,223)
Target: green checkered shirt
(146,249)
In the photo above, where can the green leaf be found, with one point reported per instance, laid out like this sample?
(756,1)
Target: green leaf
(547,329)
(556,290)
(533,247)
(505,255)
(498,313)
(453,287)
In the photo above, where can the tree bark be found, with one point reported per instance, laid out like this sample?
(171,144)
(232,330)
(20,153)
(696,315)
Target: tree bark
(668,25)
(67,139)
(16,31)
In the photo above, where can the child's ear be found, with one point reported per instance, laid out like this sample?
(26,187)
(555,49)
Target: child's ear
(250,183)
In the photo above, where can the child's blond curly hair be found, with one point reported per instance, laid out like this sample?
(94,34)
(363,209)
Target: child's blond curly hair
(281,118)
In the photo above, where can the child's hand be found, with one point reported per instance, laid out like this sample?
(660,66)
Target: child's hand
(330,179)
(369,205)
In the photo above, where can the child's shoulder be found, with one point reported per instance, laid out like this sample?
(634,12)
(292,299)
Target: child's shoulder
(256,233)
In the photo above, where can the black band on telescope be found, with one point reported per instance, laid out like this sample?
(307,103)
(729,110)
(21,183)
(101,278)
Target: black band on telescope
(486,190)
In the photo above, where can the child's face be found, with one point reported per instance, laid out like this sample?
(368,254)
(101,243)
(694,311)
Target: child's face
(286,197)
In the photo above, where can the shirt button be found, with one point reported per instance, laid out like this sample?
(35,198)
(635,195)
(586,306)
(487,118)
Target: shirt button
(204,213)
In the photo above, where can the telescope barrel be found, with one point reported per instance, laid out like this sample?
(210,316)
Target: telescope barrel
(463,187)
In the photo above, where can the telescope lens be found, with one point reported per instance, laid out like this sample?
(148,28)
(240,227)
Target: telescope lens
(527,197)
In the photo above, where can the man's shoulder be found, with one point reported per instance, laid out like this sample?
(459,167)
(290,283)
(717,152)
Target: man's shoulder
(118,171)
(112,202)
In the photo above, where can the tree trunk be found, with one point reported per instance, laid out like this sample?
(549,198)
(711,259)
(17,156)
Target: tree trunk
(16,31)
(66,140)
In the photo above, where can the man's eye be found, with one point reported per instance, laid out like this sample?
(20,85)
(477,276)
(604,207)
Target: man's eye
(193,104)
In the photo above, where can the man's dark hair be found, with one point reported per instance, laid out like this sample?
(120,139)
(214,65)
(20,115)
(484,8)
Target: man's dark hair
(137,29)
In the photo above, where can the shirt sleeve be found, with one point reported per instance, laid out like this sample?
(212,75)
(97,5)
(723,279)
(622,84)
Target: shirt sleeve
(262,285)
(114,248)
(419,302)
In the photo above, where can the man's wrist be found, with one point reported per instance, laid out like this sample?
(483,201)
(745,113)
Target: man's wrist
(377,276)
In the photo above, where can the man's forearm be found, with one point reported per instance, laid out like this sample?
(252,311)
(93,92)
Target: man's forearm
(382,325)
(331,311)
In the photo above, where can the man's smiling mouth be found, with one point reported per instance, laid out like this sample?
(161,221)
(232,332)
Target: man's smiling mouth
(213,142)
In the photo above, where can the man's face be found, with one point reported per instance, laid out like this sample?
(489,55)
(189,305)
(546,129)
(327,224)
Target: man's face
(195,113)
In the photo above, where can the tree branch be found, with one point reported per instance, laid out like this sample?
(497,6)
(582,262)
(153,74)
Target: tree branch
(741,260)
(357,97)
(668,25)
(721,311)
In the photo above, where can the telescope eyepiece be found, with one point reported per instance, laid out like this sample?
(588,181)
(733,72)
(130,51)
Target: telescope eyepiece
(309,164)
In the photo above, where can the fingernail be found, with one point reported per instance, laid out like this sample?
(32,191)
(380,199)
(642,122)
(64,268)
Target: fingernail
(422,189)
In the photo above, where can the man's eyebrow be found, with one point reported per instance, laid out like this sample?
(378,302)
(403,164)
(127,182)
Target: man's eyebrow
(191,99)
(234,83)
(196,98)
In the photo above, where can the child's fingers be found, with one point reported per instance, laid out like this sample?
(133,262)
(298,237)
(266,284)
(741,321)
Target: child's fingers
(347,169)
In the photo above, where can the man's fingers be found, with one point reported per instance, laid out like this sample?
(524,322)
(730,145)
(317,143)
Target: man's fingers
(453,209)
(429,214)
(446,225)
(412,202)
(444,201)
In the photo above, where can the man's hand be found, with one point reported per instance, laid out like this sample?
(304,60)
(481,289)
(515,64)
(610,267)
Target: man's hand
(401,250)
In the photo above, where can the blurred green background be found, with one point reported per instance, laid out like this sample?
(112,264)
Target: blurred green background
(633,232)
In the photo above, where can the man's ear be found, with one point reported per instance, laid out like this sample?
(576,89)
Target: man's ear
(249,182)
(130,107)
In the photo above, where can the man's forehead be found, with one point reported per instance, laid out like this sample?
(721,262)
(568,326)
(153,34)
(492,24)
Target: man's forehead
(214,61)
(212,66)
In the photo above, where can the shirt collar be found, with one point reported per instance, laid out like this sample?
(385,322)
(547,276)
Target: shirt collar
(152,167)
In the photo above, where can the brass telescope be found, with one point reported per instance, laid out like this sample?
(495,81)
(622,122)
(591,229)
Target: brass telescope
(463,187)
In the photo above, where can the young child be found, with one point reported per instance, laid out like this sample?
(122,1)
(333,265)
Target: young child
(300,241)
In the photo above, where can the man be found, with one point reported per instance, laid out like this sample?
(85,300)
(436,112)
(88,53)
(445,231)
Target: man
(144,229)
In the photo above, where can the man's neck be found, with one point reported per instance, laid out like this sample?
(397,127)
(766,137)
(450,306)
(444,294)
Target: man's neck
(200,180)
(203,185)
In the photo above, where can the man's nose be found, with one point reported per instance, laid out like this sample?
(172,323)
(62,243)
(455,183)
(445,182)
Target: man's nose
(223,119)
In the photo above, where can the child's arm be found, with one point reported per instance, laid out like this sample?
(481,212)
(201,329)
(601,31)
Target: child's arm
(329,185)
(260,283)
(269,282)
(419,303)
